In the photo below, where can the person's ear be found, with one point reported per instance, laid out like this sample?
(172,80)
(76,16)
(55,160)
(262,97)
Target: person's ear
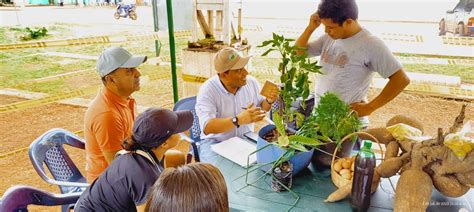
(166,144)
(347,22)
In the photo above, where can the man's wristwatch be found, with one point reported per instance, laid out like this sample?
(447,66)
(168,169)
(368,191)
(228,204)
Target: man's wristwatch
(235,121)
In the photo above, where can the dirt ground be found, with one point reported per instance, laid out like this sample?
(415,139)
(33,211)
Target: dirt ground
(20,128)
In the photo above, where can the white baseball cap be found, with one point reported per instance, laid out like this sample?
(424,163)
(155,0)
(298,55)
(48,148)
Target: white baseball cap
(117,57)
(229,59)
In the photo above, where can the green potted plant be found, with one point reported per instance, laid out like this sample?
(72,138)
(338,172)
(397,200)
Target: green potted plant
(277,144)
(329,123)
(282,151)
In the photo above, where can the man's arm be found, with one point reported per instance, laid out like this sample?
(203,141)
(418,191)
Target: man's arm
(396,83)
(110,133)
(219,125)
(302,41)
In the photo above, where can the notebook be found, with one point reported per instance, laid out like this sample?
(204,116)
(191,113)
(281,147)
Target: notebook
(236,150)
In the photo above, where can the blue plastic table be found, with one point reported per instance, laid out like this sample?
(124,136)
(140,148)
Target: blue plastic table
(313,187)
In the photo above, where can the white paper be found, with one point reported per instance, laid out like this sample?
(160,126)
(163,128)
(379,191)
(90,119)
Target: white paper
(237,150)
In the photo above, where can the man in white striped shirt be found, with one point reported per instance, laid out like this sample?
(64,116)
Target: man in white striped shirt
(229,103)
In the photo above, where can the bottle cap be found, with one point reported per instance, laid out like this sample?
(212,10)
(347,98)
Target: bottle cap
(367,144)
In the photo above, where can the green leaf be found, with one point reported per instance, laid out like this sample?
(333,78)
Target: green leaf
(299,119)
(298,147)
(304,140)
(265,43)
(283,141)
(268,51)
(279,124)
(334,118)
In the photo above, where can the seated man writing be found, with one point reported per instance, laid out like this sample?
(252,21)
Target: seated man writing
(229,103)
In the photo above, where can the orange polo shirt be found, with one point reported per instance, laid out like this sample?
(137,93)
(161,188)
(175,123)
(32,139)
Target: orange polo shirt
(108,121)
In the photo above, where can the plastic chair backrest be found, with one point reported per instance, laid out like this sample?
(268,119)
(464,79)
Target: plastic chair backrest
(17,198)
(189,104)
(48,150)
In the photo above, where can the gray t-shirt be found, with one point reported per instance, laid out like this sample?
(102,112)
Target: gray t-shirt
(349,64)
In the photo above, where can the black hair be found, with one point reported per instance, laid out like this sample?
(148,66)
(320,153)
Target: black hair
(129,144)
(338,10)
(105,80)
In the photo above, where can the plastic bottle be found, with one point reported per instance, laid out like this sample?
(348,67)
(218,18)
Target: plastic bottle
(362,181)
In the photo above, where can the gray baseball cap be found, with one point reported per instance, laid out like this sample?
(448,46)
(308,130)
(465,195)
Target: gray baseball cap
(155,125)
(117,57)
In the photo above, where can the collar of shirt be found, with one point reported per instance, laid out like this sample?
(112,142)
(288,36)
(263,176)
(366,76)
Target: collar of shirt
(115,98)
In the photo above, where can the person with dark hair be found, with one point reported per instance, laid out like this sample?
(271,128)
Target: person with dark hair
(350,55)
(198,187)
(125,184)
(109,118)
(229,103)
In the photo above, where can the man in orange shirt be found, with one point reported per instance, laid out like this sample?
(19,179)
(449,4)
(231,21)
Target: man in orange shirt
(109,118)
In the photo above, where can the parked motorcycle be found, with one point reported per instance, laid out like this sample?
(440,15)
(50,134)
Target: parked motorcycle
(125,11)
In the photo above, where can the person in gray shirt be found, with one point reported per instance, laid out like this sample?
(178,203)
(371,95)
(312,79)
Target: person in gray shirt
(350,55)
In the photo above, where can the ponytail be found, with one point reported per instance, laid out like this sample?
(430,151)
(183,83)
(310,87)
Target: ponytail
(130,145)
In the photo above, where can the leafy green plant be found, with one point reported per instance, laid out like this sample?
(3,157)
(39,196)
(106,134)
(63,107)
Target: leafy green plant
(330,121)
(294,69)
(335,119)
(34,34)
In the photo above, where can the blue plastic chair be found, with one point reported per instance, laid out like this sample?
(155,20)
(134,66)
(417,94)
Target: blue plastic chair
(48,150)
(17,198)
(189,103)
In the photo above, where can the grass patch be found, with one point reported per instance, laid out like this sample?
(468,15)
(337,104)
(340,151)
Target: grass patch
(21,66)
(465,72)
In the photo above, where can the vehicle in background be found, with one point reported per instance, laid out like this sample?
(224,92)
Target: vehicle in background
(460,20)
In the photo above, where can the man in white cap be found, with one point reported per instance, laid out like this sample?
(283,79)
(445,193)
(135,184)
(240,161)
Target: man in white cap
(229,103)
(109,118)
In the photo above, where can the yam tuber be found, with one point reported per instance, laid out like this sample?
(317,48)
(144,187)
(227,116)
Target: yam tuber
(344,191)
(449,186)
(413,191)
(405,120)
(391,150)
(391,166)
(406,145)
(340,193)
(452,164)
(381,134)
(466,178)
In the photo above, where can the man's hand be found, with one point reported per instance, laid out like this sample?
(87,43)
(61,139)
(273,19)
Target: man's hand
(362,108)
(272,95)
(250,115)
(314,21)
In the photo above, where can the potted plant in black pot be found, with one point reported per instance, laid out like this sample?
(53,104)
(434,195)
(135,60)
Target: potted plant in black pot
(330,122)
